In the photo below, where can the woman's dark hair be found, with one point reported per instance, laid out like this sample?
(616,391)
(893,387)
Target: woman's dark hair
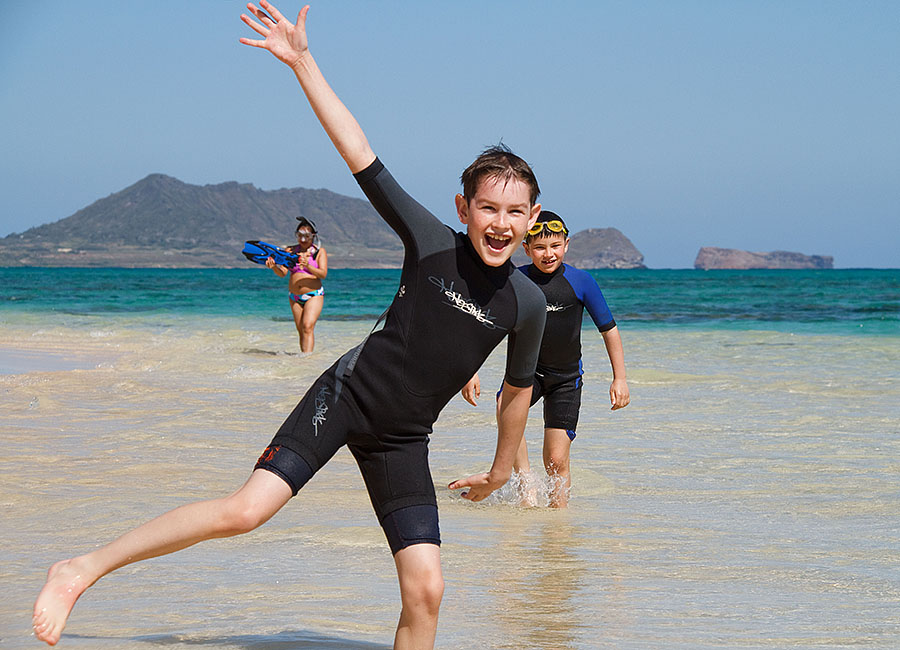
(306,223)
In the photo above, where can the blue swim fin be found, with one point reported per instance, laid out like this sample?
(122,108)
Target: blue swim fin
(259,251)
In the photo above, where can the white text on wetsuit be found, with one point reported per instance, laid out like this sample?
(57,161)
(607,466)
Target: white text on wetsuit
(456,300)
(321,408)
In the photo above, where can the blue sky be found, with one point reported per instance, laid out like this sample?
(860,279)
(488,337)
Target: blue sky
(755,125)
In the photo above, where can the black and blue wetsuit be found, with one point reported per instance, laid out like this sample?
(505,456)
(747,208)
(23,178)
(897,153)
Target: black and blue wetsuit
(382,397)
(568,292)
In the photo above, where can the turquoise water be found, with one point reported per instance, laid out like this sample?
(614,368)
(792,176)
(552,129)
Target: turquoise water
(845,301)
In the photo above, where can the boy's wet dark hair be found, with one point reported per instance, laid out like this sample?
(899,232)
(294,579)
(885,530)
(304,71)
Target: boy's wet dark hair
(500,163)
(539,229)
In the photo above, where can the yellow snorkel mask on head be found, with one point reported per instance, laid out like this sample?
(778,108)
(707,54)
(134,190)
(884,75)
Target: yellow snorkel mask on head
(550,222)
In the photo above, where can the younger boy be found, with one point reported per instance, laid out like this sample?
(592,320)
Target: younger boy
(558,376)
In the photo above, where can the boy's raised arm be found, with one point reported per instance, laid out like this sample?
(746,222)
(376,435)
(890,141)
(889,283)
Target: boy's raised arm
(287,42)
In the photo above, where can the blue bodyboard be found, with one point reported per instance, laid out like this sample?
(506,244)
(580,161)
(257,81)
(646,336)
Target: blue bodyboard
(259,251)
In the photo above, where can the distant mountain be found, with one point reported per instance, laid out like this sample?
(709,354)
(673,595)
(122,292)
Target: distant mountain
(729,258)
(162,222)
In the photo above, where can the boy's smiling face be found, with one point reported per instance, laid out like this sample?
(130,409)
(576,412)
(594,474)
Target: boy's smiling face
(497,217)
(547,252)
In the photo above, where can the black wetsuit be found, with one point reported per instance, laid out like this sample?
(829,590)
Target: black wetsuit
(558,376)
(382,398)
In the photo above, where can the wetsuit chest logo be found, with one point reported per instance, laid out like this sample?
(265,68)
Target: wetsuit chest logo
(557,307)
(458,301)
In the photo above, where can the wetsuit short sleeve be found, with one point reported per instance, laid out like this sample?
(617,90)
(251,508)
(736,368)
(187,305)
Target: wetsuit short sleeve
(421,232)
(588,292)
(524,340)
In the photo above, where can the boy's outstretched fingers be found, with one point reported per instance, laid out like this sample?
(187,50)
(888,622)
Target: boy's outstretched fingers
(480,486)
(284,39)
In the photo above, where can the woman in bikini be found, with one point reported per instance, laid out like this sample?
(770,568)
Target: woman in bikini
(307,294)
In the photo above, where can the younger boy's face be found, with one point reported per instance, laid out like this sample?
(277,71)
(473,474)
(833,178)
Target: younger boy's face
(547,252)
(497,218)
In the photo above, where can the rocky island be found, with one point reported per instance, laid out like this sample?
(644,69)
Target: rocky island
(603,248)
(731,258)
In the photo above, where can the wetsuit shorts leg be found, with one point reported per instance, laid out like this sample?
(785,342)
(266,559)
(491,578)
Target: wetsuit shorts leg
(312,433)
(394,466)
(411,525)
(562,399)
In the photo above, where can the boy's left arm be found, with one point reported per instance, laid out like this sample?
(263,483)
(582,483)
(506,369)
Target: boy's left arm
(619,396)
(512,414)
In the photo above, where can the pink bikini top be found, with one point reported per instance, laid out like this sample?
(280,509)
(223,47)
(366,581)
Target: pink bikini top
(312,262)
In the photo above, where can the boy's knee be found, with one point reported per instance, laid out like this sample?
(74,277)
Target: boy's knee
(239,517)
(428,592)
(424,592)
(558,464)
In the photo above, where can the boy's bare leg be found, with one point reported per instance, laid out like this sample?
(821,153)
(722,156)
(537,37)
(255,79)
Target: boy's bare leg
(556,461)
(421,590)
(253,504)
(528,491)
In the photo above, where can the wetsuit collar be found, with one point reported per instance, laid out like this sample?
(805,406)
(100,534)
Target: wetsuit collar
(535,273)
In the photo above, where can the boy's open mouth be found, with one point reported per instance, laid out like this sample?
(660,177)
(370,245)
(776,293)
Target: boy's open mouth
(497,242)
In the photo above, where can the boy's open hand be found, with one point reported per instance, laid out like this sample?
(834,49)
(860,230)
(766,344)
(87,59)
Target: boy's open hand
(480,486)
(285,40)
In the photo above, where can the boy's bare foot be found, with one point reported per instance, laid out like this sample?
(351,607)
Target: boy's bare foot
(51,609)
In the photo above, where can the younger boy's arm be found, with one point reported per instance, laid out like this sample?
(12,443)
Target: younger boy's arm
(618,390)
(287,42)
(512,414)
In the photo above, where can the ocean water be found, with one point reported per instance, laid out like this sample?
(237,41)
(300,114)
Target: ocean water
(749,497)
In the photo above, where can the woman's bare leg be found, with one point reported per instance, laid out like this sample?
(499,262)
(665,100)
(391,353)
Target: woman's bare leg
(312,308)
(253,504)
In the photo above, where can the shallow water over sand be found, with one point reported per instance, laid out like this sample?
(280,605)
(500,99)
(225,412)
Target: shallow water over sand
(748,498)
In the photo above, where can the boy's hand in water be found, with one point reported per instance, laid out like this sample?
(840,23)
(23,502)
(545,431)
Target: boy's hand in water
(619,396)
(480,486)
(472,390)
(285,40)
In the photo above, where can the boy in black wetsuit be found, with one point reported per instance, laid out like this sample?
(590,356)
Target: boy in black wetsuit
(558,377)
(459,297)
